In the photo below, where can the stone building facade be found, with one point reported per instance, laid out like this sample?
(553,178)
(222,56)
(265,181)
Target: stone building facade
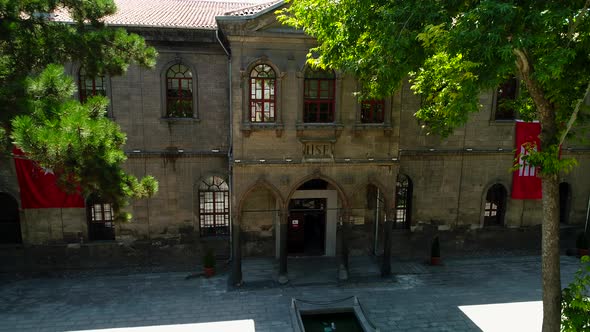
(273,158)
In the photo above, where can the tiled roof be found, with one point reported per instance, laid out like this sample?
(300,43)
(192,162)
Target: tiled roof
(194,14)
(251,10)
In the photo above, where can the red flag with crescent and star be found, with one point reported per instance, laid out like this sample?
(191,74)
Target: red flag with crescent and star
(38,186)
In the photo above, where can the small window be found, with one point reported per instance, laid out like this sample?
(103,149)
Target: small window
(372,111)
(214,207)
(179,92)
(101,220)
(90,85)
(262,94)
(319,96)
(506,100)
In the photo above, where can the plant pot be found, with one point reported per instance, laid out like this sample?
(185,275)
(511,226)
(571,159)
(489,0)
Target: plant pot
(209,271)
(434,260)
(582,252)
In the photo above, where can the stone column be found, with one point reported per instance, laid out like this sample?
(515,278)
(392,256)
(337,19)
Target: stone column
(342,247)
(284,224)
(236,272)
(387,243)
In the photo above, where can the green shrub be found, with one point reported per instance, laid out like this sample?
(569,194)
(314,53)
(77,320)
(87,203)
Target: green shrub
(575,301)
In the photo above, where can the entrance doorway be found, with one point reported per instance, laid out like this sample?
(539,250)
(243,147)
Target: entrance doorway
(9,220)
(306,234)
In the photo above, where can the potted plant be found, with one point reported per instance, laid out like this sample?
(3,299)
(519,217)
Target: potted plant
(435,252)
(582,244)
(209,263)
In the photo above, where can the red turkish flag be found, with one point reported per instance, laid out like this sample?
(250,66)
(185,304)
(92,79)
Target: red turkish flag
(525,182)
(38,187)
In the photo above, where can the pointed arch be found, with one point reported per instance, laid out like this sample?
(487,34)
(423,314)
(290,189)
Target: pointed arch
(317,175)
(262,183)
(493,207)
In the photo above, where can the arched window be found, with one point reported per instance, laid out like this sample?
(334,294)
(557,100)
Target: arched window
(403,202)
(213,206)
(262,94)
(90,85)
(495,206)
(101,219)
(319,96)
(179,92)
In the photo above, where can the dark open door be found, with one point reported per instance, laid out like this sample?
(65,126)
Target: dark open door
(9,220)
(296,233)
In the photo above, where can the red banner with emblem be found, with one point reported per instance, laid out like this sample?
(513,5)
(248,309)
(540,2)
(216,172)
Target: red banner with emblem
(525,182)
(38,187)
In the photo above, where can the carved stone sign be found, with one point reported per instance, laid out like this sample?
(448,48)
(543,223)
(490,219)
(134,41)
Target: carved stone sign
(318,150)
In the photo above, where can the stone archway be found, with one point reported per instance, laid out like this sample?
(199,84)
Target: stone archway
(260,212)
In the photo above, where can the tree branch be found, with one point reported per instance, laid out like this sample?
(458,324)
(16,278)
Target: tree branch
(574,116)
(574,22)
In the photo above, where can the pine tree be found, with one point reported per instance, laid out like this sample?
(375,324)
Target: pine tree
(38,112)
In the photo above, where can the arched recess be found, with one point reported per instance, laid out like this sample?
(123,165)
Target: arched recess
(260,209)
(343,199)
(316,205)
(565,202)
(404,191)
(494,205)
(10,230)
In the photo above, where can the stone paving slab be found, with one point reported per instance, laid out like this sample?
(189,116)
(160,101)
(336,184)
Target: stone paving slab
(426,301)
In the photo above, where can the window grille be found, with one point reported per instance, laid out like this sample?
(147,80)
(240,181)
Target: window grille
(319,96)
(262,94)
(403,202)
(214,207)
(179,92)
(90,85)
(372,111)
(101,220)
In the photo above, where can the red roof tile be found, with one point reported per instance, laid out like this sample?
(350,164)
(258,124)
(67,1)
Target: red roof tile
(174,13)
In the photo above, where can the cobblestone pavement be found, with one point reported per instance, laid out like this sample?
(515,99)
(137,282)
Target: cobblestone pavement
(418,298)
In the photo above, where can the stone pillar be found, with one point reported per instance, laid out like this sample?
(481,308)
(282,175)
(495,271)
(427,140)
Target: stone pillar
(236,272)
(284,224)
(342,247)
(387,243)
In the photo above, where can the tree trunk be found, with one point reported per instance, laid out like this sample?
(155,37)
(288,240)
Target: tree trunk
(550,256)
(550,267)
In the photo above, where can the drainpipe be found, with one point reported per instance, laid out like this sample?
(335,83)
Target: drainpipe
(230,147)
(377,210)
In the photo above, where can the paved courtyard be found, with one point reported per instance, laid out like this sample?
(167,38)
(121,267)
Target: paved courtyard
(475,294)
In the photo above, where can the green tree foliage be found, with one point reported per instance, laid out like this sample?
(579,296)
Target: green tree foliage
(454,50)
(38,113)
(576,301)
